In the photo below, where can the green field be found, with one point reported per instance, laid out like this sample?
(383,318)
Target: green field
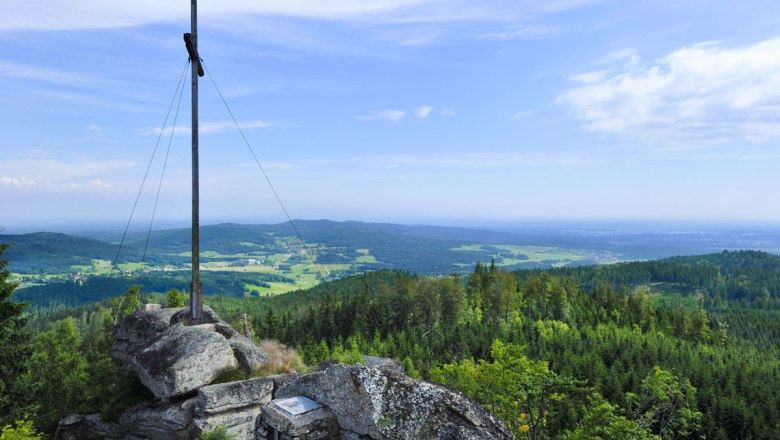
(508,255)
(239,249)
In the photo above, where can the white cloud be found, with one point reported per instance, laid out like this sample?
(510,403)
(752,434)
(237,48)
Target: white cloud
(100,184)
(207,127)
(694,95)
(15,181)
(219,127)
(423,111)
(384,115)
(589,77)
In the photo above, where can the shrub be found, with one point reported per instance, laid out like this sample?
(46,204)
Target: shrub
(24,430)
(218,433)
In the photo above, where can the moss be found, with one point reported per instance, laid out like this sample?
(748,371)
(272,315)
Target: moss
(230,375)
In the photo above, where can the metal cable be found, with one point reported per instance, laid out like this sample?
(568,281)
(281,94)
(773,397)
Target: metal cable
(162,175)
(146,174)
(267,179)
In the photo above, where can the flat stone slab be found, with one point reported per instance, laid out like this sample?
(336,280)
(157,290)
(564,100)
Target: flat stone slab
(296,405)
(219,398)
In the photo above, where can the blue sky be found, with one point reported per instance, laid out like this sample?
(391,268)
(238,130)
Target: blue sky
(412,111)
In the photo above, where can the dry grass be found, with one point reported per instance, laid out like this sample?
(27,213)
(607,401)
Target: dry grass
(281,359)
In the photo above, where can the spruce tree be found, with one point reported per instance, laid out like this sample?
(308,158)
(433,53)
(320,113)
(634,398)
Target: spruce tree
(14,348)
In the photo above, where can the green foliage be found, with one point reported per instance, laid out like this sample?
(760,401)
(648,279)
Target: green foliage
(219,432)
(14,349)
(50,252)
(22,430)
(520,391)
(748,277)
(726,361)
(174,298)
(56,295)
(56,373)
(602,421)
(348,353)
(666,404)
(112,387)
(72,370)
(131,301)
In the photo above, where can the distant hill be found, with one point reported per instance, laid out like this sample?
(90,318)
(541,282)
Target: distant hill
(47,252)
(750,277)
(375,246)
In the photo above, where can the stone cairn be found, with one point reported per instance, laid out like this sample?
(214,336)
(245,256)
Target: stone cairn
(178,363)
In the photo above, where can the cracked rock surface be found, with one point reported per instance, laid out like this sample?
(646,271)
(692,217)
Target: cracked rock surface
(376,404)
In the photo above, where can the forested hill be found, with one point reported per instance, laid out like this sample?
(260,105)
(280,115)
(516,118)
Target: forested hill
(432,250)
(47,252)
(750,277)
(538,350)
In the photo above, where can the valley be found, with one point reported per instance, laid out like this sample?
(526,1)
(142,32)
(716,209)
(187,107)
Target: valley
(271,260)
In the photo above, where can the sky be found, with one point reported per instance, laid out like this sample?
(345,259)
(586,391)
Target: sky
(408,111)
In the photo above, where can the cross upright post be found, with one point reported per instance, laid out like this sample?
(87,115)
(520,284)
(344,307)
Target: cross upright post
(196,288)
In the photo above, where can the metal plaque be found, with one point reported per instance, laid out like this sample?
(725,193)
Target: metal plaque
(296,405)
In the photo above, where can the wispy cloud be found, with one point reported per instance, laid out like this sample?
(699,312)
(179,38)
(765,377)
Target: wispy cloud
(463,161)
(100,184)
(16,181)
(207,127)
(529,31)
(222,126)
(97,133)
(395,115)
(98,14)
(698,94)
(618,55)
(589,77)
(383,115)
(39,171)
(50,75)
(480,161)
(91,14)
(423,111)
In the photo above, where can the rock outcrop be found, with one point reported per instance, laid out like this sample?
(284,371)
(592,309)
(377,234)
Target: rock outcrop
(178,362)
(174,359)
(381,404)
(183,359)
(138,330)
